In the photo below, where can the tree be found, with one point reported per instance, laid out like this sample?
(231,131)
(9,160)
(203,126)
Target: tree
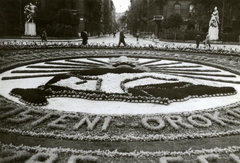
(204,9)
(64,17)
(173,21)
(123,20)
(10,17)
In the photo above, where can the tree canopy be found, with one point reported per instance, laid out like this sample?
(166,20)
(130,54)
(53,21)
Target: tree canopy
(173,21)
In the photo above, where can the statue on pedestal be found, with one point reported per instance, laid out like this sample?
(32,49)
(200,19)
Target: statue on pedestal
(214,25)
(30,26)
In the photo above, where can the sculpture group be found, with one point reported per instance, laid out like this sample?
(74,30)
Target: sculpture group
(30,14)
(214,25)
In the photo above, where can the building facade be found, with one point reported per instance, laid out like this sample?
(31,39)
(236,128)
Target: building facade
(151,13)
(89,14)
(94,15)
(148,15)
(108,19)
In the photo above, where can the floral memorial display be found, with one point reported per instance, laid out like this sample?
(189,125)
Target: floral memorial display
(134,104)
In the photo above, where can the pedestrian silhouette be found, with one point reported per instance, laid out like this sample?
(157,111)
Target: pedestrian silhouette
(137,34)
(44,35)
(198,39)
(207,40)
(122,38)
(84,36)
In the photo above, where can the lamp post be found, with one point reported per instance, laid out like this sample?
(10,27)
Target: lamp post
(158,18)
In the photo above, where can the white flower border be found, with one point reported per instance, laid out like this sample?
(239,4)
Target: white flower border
(207,153)
(123,138)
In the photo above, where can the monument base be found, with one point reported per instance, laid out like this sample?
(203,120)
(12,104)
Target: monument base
(213,33)
(30,29)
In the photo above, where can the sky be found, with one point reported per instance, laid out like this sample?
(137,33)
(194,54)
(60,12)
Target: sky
(121,5)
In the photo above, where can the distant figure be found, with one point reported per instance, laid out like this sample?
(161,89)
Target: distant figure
(122,38)
(114,34)
(30,12)
(198,39)
(239,39)
(137,34)
(84,36)
(44,35)
(207,40)
(153,36)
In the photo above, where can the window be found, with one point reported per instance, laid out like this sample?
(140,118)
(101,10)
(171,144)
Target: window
(177,8)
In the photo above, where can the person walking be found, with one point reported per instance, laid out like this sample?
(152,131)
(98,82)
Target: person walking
(114,34)
(198,39)
(84,36)
(122,38)
(207,40)
(44,35)
(137,34)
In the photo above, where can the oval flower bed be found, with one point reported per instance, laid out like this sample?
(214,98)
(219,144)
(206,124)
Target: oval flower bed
(34,122)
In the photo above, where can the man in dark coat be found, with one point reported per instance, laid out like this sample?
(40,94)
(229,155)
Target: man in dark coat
(198,39)
(44,35)
(84,36)
(122,38)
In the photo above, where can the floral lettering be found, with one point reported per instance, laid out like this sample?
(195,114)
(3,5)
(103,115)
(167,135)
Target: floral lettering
(222,121)
(13,156)
(204,121)
(90,125)
(107,121)
(43,157)
(176,121)
(235,158)
(59,123)
(12,112)
(178,159)
(43,119)
(206,158)
(159,121)
(24,116)
(235,112)
(80,158)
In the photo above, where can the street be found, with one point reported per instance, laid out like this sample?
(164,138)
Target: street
(133,40)
(129,40)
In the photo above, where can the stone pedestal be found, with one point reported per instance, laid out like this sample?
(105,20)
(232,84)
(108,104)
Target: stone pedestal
(213,33)
(30,29)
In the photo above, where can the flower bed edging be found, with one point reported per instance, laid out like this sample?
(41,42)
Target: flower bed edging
(202,154)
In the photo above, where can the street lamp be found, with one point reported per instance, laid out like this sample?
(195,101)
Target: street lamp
(158,18)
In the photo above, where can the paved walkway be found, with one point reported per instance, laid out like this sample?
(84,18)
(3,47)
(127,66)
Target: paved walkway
(129,40)
(132,40)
